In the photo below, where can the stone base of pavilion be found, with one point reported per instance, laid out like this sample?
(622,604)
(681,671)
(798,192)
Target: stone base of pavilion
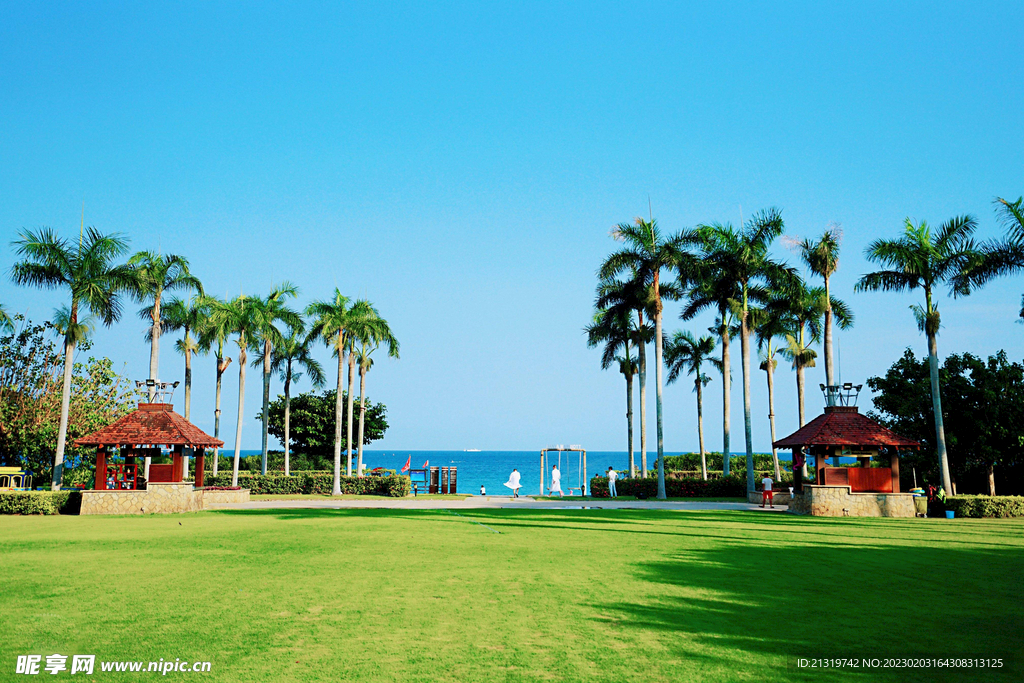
(780,497)
(840,501)
(157,498)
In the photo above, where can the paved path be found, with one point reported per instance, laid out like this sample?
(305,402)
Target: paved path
(473,502)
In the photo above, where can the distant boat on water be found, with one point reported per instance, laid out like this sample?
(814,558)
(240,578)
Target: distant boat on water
(471,450)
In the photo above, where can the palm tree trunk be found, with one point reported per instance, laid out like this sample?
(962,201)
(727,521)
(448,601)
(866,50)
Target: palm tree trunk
(700,429)
(940,432)
(747,433)
(221,367)
(350,402)
(338,414)
(726,391)
(362,415)
(629,424)
(657,396)
(188,399)
(829,373)
(800,391)
(642,364)
(241,412)
(65,406)
(287,420)
(769,370)
(268,348)
(154,347)
(991,479)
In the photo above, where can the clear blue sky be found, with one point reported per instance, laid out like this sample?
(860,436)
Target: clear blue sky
(461,166)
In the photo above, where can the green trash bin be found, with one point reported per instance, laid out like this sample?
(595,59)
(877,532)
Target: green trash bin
(921,505)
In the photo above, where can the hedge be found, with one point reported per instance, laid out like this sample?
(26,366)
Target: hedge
(726,487)
(395,486)
(986,506)
(40,502)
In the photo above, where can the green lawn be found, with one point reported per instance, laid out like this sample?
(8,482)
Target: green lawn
(350,496)
(573,595)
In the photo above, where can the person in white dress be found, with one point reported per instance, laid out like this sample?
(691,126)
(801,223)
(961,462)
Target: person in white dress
(556,482)
(513,483)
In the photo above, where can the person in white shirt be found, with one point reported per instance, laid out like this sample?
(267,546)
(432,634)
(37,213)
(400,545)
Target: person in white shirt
(556,482)
(512,483)
(612,476)
(766,491)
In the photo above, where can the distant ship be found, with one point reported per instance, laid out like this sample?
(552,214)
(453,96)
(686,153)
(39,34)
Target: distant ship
(470,450)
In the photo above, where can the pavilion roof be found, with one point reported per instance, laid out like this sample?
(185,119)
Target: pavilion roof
(844,426)
(153,424)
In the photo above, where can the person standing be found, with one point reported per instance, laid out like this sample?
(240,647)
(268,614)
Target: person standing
(766,491)
(612,476)
(556,482)
(512,483)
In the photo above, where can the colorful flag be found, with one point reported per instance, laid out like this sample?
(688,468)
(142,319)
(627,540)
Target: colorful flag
(408,463)
(426,464)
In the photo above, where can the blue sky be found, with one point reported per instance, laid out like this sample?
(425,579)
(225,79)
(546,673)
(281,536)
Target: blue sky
(461,165)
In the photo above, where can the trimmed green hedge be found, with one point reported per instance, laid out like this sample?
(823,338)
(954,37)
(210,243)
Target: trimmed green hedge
(725,487)
(396,486)
(40,502)
(986,506)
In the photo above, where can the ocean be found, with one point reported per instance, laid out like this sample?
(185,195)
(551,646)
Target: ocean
(491,469)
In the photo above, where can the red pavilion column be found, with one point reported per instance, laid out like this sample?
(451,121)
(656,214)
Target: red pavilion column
(200,467)
(894,465)
(100,483)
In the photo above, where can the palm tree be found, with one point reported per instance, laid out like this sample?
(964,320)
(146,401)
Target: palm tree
(290,358)
(94,282)
(770,326)
(613,328)
(241,317)
(269,312)
(368,332)
(743,255)
(187,316)
(6,324)
(686,352)
(215,330)
(921,259)
(154,275)
(999,257)
(822,258)
(331,320)
(646,254)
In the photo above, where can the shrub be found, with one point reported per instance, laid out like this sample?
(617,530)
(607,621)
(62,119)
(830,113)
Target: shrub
(737,463)
(316,483)
(986,506)
(724,487)
(40,503)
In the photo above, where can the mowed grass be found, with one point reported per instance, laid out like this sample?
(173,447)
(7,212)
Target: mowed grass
(512,595)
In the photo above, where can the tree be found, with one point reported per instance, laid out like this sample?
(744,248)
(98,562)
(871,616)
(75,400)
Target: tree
(155,274)
(331,321)
(770,326)
(613,328)
(94,283)
(291,358)
(6,324)
(189,316)
(313,427)
(686,352)
(822,258)
(744,256)
(646,253)
(998,257)
(268,313)
(368,332)
(215,331)
(919,259)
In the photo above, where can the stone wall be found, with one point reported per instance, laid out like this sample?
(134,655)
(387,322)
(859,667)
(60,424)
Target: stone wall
(780,497)
(157,499)
(839,501)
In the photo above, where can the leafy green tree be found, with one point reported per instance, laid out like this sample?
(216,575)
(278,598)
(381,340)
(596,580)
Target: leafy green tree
(93,280)
(919,259)
(684,352)
(214,330)
(292,359)
(313,417)
(369,333)
(613,330)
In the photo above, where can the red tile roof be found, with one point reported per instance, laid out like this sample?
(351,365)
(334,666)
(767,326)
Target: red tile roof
(844,426)
(153,424)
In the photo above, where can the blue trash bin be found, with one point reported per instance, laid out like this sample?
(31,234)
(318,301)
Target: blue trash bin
(950,514)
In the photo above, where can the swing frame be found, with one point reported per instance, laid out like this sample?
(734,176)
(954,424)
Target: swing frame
(582,466)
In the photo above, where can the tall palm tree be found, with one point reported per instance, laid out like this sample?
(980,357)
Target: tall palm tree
(999,257)
(369,332)
(215,330)
(646,253)
(630,298)
(822,258)
(94,281)
(744,255)
(686,352)
(613,329)
(187,315)
(921,259)
(154,275)
(331,320)
(6,324)
(291,358)
(241,317)
(770,327)
(267,333)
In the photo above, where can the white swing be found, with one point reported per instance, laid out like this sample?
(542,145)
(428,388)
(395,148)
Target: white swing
(581,469)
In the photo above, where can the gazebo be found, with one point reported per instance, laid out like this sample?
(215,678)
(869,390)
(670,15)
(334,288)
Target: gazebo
(842,431)
(143,433)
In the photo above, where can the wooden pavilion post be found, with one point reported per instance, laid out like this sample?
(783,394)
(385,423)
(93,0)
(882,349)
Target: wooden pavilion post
(542,473)
(200,467)
(820,460)
(583,490)
(100,482)
(798,477)
(894,466)
(176,464)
